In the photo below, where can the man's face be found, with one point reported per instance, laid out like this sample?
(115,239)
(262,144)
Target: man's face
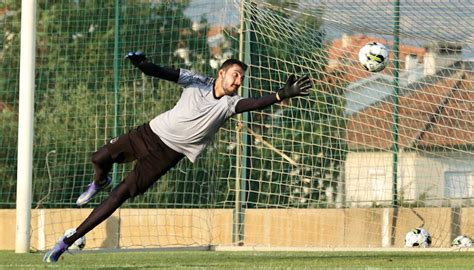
(232,79)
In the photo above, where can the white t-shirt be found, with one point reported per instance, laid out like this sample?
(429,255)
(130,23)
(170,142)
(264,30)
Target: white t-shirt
(190,126)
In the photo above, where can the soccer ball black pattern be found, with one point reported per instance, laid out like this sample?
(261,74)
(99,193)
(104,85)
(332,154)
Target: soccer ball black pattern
(373,56)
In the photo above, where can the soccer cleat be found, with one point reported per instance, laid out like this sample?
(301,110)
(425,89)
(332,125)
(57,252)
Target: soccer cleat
(92,190)
(56,252)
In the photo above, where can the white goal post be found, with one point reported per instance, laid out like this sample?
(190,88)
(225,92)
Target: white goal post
(25,126)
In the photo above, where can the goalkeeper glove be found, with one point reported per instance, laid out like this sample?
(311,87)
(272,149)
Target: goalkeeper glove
(136,57)
(294,87)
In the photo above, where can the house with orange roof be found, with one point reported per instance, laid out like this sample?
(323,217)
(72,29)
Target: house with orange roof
(435,130)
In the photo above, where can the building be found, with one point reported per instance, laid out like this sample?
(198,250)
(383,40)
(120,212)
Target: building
(435,163)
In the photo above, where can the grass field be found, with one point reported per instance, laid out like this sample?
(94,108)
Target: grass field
(244,260)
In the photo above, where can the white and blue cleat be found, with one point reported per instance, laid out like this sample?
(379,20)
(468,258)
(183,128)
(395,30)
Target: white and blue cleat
(92,190)
(53,255)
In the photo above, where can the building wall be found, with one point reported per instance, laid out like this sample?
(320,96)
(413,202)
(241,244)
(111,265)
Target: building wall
(368,177)
(431,169)
(421,177)
(366,174)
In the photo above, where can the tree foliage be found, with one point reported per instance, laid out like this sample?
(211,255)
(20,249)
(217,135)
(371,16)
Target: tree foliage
(74,95)
(309,129)
(77,70)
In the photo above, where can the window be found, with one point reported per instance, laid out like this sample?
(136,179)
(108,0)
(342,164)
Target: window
(377,179)
(456,184)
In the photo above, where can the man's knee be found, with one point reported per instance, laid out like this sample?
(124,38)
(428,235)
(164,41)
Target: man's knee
(102,158)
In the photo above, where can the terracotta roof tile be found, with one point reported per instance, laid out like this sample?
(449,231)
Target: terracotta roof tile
(435,112)
(348,57)
(455,123)
(431,115)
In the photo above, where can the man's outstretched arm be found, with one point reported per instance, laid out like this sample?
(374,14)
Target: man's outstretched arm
(292,88)
(139,60)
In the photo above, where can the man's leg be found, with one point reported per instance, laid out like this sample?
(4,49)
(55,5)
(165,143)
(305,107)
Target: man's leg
(148,169)
(116,198)
(103,162)
(119,150)
(146,172)
(102,165)
(154,160)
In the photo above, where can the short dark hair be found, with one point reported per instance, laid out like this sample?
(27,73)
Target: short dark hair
(230,62)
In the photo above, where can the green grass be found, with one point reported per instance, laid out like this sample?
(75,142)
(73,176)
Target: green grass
(243,260)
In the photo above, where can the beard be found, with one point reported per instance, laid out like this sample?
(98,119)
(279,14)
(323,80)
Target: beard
(230,90)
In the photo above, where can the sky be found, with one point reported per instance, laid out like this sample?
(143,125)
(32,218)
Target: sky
(216,11)
(421,21)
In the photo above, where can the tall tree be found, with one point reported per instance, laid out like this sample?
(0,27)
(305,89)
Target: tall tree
(286,41)
(74,98)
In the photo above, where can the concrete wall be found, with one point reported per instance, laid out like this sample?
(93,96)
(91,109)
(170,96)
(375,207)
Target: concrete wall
(431,169)
(135,228)
(368,178)
(421,176)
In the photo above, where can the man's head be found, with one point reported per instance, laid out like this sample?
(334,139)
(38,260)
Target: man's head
(230,77)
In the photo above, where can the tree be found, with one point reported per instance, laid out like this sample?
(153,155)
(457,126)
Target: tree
(307,129)
(74,95)
(9,84)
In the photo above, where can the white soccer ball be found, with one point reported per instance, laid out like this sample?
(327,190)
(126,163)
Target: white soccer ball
(373,56)
(462,241)
(418,237)
(79,243)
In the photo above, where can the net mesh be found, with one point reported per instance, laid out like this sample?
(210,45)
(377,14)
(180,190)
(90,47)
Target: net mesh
(311,171)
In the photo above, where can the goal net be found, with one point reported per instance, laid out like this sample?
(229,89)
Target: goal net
(361,161)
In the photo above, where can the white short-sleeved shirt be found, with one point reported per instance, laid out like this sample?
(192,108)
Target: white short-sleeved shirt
(190,126)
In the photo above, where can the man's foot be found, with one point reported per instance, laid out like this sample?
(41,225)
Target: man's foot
(92,190)
(56,252)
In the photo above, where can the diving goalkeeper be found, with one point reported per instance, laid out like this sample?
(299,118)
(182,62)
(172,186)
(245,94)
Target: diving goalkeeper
(185,130)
